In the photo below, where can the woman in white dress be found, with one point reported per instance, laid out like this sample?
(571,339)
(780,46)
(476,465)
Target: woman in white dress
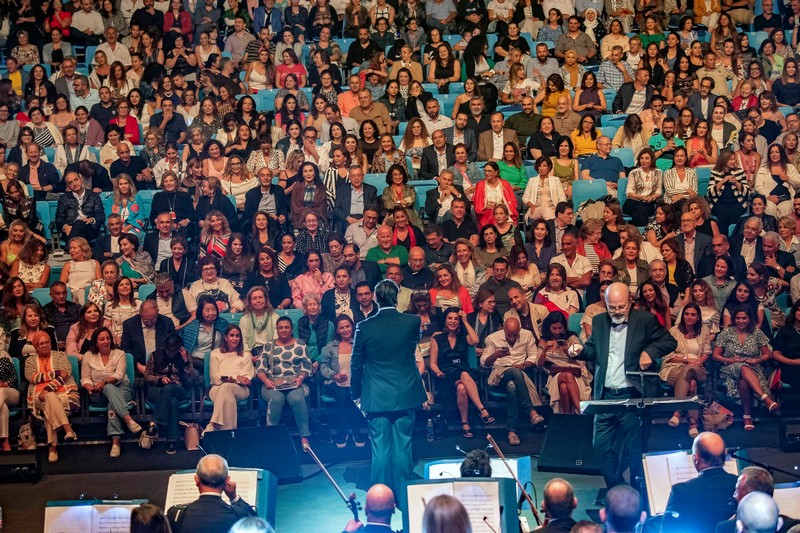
(81,270)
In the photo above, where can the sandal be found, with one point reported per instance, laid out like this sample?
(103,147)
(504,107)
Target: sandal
(693,431)
(466,431)
(771,404)
(486,419)
(513,439)
(748,423)
(675,421)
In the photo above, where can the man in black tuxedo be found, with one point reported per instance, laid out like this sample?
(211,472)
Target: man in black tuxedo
(695,245)
(623,340)
(701,503)
(754,479)
(210,513)
(436,158)
(379,508)
(144,333)
(352,199)
(721,246)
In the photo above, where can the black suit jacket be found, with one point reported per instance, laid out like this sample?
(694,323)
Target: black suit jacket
(179,202)
(150,245)
(432,201)
(48,175)
(702,247)
(372,272)
(253,198)
(92,207)
(102,246)
(208,514)
(133,336)
(470,139)
(429,167)
(702,502)
(694,105)
(341,206)
(625,94)
(559,525)
(328,303)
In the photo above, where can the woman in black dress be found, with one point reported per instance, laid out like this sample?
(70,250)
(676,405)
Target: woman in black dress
(786,348)
(449,363)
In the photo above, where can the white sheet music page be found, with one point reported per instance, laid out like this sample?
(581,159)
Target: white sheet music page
(182,489)
(481,499)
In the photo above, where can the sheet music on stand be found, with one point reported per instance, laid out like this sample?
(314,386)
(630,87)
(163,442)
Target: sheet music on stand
(481,499)
(662,470)
(787,496)
(182,489)
(87,516)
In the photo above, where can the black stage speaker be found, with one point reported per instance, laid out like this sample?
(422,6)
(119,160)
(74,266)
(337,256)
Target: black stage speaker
(20,467)
(270,448)
(567,446)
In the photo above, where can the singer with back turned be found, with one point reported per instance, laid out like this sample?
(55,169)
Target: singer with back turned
(386,381)
(622,341)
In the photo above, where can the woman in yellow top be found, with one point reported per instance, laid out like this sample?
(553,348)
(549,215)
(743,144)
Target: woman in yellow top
(585,137)
(554,89)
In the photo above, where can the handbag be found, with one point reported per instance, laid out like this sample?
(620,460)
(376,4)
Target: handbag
(716,417)
(191,435)
(26,440)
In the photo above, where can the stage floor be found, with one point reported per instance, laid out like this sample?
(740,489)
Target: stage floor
(313,503)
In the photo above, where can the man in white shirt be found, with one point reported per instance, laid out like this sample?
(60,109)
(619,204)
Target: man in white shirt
(334,114)
(87,25)
(114,50)
(578,267)
(509,352)
(750,240)
(364,232)
(84,96)
(433,120)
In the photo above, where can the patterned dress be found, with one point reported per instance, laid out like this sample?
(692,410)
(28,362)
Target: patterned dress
(728,340)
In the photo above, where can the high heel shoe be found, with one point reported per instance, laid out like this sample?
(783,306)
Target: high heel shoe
(487,418)
(771,404)
(748,423)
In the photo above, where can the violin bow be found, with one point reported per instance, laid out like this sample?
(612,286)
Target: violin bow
(350,501)
(511,471)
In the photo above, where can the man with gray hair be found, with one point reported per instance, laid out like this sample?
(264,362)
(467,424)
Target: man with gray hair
(748,243)
(754,479)
(385,384)
(209,513)
(779,263)
(758,513)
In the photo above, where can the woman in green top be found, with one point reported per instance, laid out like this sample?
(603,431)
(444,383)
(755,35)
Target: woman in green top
(652,33)
(511,168)
(565,166)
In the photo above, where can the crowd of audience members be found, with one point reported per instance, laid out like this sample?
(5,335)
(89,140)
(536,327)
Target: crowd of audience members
(213,168)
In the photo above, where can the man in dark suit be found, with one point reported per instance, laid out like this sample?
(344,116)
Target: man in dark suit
(385,383)
(436,158)
(379,508)
(779,263)
(269,198)
(748,244)
(754,479)
(144,333)
(713,486)
(210,513)
(702,103)
(695,245)
(360,269)
(622,341)
(352,199)
(719,247)
(558,503)
(46,174)
(107,246)
(80,212)
(438,200)
(487,147)
(641,82)
(460,133)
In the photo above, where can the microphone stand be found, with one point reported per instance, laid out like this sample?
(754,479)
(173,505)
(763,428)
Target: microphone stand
(769,468)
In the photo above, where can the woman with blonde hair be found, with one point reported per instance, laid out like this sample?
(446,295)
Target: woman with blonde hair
(237,179)
(18,237)
(469,273)
(32,321)
(787,227)
(126,204)
(52,391)
(81,270)
(215,235)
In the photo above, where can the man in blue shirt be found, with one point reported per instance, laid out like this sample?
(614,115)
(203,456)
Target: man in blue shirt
(171,124)
(664,144)
(603,166)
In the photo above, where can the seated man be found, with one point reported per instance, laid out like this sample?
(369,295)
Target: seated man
(134,166)
(209,513)
(40,175)
(352,199)
(578,267)
(378,508)
(107,247)
(458,225)
(170,302)
(658,275)
(508,353)
(437,157)
(499,284)
(386,252)
(758,513)
(614,72)
(144,333)
(364,232)
(622,510)
(159,243)
(530,315)
(491,143)
(437,251)
(754,479)
(634,97)
(366,304)
(416,276)
(80,211)
(60,312)
(438,200)
(558,502)
(664,144)
(604,166)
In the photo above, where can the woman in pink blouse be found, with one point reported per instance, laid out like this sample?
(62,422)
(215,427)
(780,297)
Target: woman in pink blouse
(313,280)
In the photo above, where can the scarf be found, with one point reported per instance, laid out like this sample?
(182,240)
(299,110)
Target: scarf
(411,237)
(267,322)
(320,327)
(590,26)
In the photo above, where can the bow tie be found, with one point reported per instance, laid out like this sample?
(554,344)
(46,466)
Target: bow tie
(618,325)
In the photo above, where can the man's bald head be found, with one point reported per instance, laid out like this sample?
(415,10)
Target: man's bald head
(512,327)
(380,504)
(618,300)
(758,513)
(559,498)
(708,451)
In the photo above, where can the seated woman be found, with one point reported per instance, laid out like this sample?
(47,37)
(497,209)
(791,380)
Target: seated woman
(9,397)
(679,271)
(134,263)
(52,392)
(766,289)
(31,265)
(220,290)
(590,244)
(568,381)
(644,189)
(698,206)
(447,292)
(79,338)
(20,340)
(267,275)
(632,270)
(15,298)
(101,290)
(540,246)
(18,236)
(758,209)
(313,281)
(429,316)
(491,192)
(313,328)
(399,193)
(404,233)
(522,270)
(449,363)
(508,231)
(238,261)
(785,349)
(741,350)
(335,370)
(283,368)
(663,226)
(179,266)
(204,334)
(103,375)
(650,299)
(684,368)
(215,235)
(485,320)
(230,372)
(777,180)
(170,377)
(489,246)
(258,320)
(542,195)
(555,295)
(127,204)
(308,196)
(81,270)
(702,295)
(122,306)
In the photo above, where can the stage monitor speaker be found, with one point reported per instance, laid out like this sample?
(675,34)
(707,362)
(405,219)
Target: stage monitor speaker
(20,467)
(270,448)
(567,446)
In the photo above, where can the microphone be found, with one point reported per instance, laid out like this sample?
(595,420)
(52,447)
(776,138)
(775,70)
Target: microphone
(732,451)
(489,447)
(486,521)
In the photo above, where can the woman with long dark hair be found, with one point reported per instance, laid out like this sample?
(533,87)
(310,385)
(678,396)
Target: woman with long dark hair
(728,190)
(651,300)
(568,381)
